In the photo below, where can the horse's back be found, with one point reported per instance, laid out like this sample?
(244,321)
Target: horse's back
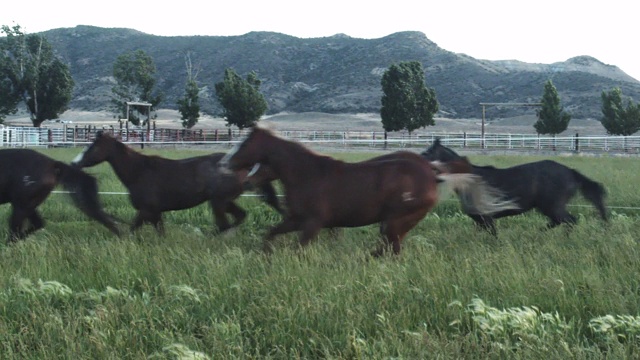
(356,194)
(184,183)
(531,185)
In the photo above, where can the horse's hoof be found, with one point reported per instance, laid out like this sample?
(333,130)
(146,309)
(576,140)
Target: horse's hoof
(230,232)
(267,249)
(377,253)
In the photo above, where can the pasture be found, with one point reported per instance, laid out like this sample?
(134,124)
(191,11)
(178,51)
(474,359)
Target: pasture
(75,291)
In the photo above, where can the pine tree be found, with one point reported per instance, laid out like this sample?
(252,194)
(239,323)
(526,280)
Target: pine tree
(552,119)
(617,119)
(189,104)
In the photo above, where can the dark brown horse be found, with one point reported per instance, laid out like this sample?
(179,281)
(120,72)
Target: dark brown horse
(396,191)
(27,178)
(157,184)
(546,186)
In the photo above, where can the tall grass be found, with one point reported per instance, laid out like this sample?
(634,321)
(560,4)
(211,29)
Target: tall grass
(75,291)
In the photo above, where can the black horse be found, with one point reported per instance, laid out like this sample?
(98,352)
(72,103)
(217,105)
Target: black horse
(546,186)
(27,178)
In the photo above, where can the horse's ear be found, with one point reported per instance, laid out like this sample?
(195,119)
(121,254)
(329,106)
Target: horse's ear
(99,134)
(437,141)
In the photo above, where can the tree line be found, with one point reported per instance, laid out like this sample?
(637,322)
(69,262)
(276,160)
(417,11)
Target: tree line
(32,75)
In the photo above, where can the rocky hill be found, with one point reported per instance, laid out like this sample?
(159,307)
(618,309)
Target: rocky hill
(336,74)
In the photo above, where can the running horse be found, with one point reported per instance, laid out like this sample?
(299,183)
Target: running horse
(157,184)
(26,180)
(396,191)
(546,186)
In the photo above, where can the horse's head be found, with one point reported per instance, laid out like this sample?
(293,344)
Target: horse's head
(96,152)
(252,150)
(439,152)
(456,166)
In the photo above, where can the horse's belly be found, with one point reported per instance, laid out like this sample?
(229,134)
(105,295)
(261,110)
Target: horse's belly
(167,201)
(349,215)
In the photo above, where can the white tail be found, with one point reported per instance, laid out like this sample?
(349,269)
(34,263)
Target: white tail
(476,196)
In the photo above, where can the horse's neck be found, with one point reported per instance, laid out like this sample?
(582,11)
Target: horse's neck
(450,155)
(126,163)
(306,163)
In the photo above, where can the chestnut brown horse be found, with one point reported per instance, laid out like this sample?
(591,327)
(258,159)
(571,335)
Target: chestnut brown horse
(27,178)
(396,191)
(157,184)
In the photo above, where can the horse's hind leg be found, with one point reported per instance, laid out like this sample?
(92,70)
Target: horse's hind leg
(564,218)
(158,223)
(392,236)
(36,223)
(557,215)
(16,221)
(485,223)
(394,231)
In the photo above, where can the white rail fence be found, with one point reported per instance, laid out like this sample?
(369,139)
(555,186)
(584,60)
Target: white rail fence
(75,136)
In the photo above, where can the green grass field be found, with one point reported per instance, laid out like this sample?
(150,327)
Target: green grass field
(74,291)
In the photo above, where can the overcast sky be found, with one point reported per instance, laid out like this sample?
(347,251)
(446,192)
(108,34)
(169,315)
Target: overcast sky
(543,32)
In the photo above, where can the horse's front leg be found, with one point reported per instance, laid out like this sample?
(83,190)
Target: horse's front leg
(310,229)
(270,196)
(137,222)
(287,225)
(152,217)
(237,212)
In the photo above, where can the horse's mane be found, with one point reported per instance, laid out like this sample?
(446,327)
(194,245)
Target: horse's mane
(294,145)
(120,146)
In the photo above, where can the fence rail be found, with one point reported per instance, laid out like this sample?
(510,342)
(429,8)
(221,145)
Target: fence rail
(79,136)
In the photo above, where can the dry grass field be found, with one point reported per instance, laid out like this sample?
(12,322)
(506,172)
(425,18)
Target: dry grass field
(322,121)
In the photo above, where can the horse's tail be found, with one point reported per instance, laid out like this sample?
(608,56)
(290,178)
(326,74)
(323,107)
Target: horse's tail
(476,196)
(592,191)
(83,189)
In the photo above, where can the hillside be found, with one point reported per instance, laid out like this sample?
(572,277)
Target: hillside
(336,74)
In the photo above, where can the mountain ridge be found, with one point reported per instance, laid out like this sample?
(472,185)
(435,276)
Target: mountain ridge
(334,74)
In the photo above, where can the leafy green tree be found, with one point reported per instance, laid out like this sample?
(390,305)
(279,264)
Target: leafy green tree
(33,74)
(617,119)
(407,103)
(189,104)
(241,100)
(9,97)
(134,73)
(552,119)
